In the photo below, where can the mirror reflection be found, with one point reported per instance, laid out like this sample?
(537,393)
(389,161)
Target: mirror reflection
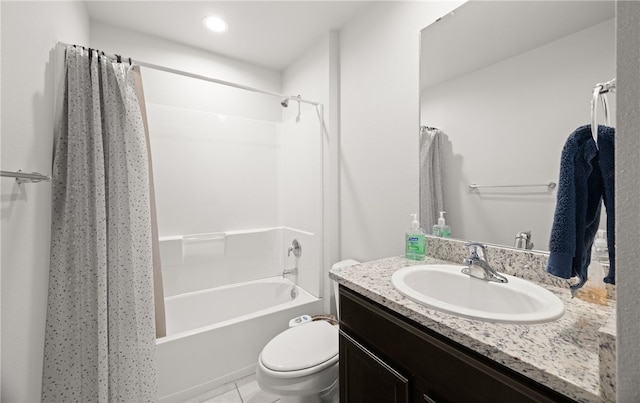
(502,86)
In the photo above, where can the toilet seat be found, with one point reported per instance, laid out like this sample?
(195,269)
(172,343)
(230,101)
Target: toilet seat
(301,350)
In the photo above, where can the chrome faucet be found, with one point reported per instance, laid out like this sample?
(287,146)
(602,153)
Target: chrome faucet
(523,240)
(296,248)
(478,265)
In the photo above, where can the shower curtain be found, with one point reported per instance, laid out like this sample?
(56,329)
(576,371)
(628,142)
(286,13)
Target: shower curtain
(431,179)
(100,333)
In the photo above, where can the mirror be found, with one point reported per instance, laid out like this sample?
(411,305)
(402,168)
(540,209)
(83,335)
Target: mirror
(506,83)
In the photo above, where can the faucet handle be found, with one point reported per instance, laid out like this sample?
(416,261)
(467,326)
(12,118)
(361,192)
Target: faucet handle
(476,250)
(523,240)
(296,248)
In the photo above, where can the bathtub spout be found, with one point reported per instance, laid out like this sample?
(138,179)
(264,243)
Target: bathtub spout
(290,271)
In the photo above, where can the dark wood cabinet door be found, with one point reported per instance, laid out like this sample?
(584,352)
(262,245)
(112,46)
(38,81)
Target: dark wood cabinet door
(439,370)
(365,378)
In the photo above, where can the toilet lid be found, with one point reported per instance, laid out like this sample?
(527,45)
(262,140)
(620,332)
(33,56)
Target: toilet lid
(301,347)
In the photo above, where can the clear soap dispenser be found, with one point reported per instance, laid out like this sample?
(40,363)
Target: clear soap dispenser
(441,229)
(601,247)
(414,240)
(594,289)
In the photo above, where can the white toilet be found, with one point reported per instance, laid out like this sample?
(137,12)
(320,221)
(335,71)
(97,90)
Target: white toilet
(301,363)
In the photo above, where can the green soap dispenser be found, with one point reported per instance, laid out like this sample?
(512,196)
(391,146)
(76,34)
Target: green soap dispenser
(441,229)
(414,240)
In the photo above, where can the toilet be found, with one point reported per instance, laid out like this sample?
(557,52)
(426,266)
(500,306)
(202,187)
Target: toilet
(301,364)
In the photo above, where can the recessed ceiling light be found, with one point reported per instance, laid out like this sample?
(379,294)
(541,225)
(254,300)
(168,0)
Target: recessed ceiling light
(215,24)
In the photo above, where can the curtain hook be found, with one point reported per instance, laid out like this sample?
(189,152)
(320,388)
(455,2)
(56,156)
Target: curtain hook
(130,62)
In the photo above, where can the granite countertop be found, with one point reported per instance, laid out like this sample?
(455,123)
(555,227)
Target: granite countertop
(563,355)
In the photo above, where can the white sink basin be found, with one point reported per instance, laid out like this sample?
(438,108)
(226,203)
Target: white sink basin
(445,288)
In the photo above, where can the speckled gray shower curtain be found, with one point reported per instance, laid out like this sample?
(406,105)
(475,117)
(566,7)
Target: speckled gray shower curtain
(431,178)
(100,333)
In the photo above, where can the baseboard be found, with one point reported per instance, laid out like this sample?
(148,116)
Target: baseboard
(203,391)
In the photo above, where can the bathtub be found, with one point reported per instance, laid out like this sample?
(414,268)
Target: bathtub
(214,336)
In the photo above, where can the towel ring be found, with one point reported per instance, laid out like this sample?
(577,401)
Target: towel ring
(600,91)
(594,111)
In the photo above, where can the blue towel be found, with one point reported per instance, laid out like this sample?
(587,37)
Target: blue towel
(606,145)
(586,179)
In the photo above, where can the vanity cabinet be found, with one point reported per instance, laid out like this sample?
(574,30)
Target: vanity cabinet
(367,378)
(386,357)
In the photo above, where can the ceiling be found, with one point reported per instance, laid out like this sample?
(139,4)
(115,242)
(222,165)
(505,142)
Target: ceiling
(480,33)
(266,33)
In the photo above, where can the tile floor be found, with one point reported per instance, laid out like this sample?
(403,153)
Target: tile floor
(245,390)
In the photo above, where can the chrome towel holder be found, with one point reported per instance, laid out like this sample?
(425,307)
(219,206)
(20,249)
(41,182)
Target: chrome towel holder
(24,177)
(600,91)
(550,185)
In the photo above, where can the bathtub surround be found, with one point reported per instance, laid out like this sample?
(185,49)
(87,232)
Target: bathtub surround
(225,180)
(195,262)
(100,333)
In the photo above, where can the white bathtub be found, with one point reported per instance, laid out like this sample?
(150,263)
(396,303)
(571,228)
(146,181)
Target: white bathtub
(214,336)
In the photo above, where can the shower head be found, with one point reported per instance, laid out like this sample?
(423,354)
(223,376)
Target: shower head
(285,104)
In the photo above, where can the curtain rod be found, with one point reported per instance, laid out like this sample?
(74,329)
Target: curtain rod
(205,78)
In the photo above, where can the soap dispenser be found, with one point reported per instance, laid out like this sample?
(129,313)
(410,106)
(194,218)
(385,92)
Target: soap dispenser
(414,240)
(594,289)
(441,229)
(600,246)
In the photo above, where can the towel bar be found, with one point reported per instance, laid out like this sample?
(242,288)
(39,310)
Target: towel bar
(22,177)
(550,185)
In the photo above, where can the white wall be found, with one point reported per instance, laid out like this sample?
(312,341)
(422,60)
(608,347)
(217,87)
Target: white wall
(379,96)
(186,92)
(627,205)
(507,124)
(30,31)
